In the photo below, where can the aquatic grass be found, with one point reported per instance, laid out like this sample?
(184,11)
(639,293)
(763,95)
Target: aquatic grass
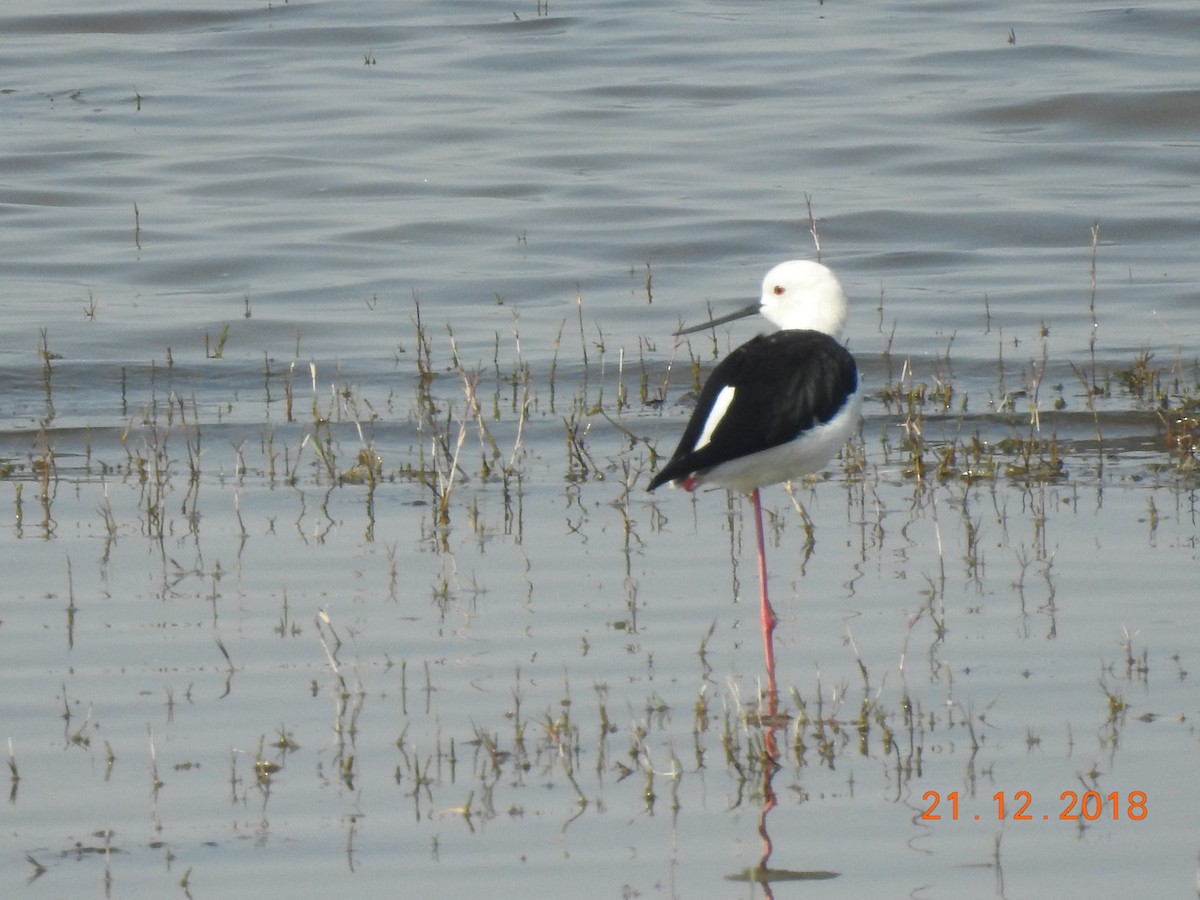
(837,730)
(489,455)
(1182,439)
(14,775)
(217,349)
(580,463)
(1143,382)
(38,869)
(633,754)
(967,455)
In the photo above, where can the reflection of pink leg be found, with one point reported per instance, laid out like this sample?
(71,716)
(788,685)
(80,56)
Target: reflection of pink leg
(770,747)
(764,864)
(766,614)
(771,754)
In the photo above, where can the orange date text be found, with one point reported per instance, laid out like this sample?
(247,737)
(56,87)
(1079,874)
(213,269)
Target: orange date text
(1072,806)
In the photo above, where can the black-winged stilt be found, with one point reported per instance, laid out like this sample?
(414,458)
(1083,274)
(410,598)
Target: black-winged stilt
(778,407)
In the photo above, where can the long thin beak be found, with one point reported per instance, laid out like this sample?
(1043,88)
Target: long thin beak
(750,310)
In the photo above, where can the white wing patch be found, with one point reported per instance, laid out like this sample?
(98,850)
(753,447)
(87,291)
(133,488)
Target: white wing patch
(719,407)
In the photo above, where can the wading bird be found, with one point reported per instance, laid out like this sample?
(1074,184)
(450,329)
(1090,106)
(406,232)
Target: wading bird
(778,407)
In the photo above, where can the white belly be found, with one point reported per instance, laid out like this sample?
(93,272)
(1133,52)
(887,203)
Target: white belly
(803,456)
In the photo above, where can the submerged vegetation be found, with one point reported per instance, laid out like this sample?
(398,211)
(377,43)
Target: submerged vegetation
(467,445)
(446,424)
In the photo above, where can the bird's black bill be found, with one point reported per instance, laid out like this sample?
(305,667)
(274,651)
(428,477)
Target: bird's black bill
(721,320)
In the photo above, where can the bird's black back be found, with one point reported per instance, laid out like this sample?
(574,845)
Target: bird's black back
(785,383)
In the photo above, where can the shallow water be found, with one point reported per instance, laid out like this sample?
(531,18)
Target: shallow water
(226,440)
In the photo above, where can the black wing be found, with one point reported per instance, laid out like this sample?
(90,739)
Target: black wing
(784,383)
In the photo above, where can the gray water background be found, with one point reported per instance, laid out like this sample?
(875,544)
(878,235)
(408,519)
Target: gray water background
(303,174)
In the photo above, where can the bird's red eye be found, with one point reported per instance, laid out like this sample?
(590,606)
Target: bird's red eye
(778,289)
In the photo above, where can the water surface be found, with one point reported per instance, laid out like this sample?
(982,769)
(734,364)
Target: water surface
(260,265)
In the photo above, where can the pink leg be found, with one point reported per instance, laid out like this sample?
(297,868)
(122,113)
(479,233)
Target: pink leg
(766,614)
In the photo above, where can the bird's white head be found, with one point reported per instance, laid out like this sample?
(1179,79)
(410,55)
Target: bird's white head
(800,293)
